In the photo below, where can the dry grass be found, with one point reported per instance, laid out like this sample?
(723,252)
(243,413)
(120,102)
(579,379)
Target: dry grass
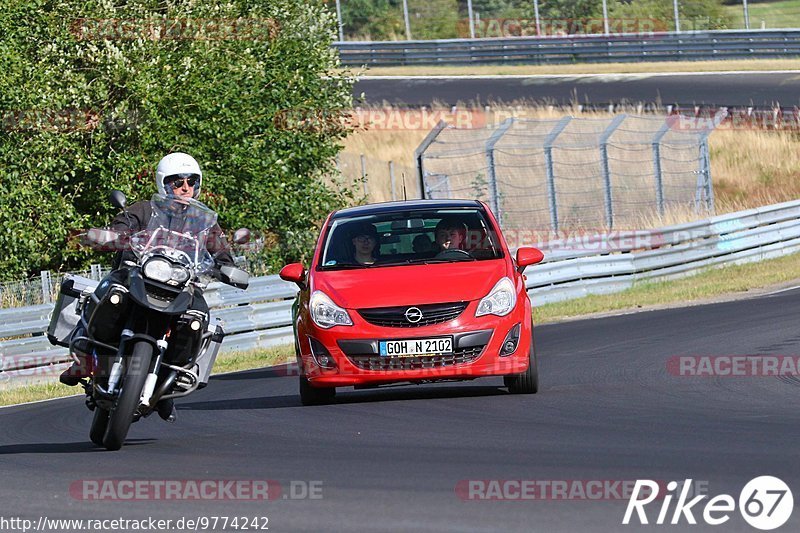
(754,168)
(587,68)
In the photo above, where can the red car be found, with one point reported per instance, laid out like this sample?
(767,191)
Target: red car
(416,291)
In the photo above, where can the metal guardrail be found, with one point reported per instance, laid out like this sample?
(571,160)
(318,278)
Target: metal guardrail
(671,46)
(260,317)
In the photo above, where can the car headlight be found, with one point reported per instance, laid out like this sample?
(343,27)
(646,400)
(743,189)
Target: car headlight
(165,272)
(500,300)
(327,314)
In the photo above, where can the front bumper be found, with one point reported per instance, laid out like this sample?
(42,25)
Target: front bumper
(477,343)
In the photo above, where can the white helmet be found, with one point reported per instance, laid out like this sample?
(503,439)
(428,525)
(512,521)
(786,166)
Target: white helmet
(178,164)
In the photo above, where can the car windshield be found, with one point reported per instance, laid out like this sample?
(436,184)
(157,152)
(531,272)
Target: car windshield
(409,237)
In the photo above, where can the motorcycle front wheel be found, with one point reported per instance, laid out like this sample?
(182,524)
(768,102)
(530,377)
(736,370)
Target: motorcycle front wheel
(136,368)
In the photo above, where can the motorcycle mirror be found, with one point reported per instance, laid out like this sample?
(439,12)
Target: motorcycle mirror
(242,236)
(118,199)
(233,276)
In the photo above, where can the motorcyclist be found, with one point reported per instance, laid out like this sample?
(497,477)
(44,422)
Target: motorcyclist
(177,174)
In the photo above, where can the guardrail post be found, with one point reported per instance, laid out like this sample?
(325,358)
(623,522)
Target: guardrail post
(657,166)
(615,123)
(47,287)
(492,169)
(419,155)
(548,163)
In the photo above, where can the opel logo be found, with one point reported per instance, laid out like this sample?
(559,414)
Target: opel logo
(413,315)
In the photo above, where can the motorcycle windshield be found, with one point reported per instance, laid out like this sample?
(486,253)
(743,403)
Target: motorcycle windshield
(178,229)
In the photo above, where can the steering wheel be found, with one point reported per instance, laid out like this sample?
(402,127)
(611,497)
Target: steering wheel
(453,253)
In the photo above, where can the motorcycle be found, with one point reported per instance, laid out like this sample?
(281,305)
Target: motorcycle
(143,338)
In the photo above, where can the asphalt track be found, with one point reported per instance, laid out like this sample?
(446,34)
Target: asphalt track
(390,460)
(735,89)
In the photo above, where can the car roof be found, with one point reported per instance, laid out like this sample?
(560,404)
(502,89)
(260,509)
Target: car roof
(388,207)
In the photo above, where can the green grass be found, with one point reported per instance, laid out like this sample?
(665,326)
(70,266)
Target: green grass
(226,362)
(708,284)
(783,14)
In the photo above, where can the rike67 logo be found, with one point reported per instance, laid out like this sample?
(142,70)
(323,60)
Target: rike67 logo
(765,503)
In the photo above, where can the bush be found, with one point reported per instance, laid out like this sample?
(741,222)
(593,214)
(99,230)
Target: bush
(92,105)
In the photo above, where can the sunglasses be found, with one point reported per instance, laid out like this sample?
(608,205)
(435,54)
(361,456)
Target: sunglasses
(176,182)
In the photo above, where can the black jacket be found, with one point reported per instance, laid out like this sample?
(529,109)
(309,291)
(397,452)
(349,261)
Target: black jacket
(138,216)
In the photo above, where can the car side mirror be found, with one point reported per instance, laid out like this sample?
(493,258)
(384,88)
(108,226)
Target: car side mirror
(242,236)
(236,277)
(528,256)
(118,199)
(296,273)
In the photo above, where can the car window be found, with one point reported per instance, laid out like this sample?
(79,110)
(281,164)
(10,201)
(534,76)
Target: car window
(409,237)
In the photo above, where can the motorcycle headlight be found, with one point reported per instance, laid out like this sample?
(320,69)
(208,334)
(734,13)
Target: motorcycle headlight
(500,300)
(327,314)
(165,272)
(158,270)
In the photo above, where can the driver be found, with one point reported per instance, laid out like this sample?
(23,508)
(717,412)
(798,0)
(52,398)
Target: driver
(451,234)
(177,174)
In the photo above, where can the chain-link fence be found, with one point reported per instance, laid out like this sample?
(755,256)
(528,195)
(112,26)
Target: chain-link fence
(389,20)
(42,289)
(573,172)
(378,180)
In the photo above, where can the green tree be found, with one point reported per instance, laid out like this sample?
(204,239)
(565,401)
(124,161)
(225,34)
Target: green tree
(91,105)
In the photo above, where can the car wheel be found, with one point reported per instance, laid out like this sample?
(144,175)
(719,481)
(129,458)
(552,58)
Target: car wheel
(528,381)
(315,396)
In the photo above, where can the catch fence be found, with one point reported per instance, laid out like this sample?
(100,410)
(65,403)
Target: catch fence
(573,172)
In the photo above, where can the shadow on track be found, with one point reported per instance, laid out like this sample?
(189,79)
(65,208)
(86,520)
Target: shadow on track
(404,393)
(63,447)
(280,371)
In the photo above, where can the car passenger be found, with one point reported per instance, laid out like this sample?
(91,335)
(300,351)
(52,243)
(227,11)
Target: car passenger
(365,241)
(422,244)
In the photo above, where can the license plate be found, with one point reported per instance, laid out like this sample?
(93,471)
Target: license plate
(415,347)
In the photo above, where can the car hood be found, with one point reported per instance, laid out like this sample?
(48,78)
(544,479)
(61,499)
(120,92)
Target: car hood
(411,284)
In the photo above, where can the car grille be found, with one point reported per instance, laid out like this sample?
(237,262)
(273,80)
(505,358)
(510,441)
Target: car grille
(395,317)
(377,362)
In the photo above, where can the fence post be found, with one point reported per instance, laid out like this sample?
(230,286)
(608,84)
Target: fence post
(548,163)
(391,180)
(339,20)
(677,16)
(364,173)
(492,170)
(47,287)
(657,165)
(419,154)
(609,199)
(96,272)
